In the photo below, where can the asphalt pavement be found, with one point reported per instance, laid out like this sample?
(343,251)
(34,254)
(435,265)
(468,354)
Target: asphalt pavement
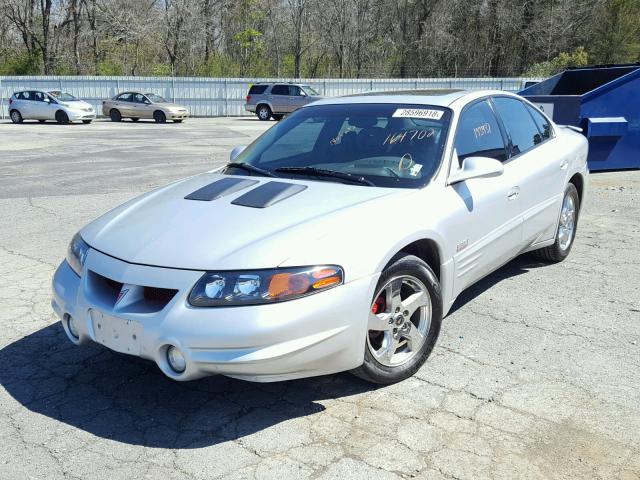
(536,373)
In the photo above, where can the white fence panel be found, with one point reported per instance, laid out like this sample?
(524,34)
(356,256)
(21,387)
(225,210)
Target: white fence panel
(215,97)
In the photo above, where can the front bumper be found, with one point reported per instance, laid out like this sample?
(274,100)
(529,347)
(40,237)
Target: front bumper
(315,335)
(75,115)
(177,115)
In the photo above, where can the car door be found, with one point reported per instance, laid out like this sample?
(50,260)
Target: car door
(123,104)
(279,98)
(541,166)
(485,225)
(24,104)
(141,106)
(296,98)
(40,106)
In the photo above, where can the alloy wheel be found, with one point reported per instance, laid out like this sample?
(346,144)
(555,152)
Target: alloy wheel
(567,223)
(399,321)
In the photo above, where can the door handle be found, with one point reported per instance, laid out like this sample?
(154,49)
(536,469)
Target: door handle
(564,164)
(513,193)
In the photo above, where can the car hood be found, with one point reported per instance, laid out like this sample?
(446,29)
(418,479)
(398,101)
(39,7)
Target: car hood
(163,228)
(171,106)
(76,104)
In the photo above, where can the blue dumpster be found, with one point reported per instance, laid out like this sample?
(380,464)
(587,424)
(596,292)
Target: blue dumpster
(605,102)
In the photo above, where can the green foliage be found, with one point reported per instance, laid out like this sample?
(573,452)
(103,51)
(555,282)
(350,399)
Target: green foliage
(12,63)
(577,58)
(617,34)
(110,67)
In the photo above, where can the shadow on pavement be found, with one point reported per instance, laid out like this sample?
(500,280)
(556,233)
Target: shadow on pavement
(518,266)
(129,400)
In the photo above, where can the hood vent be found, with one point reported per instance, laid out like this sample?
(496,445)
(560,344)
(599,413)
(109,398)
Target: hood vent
(268,194)
(220,188)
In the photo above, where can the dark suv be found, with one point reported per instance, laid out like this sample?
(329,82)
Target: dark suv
(275,100)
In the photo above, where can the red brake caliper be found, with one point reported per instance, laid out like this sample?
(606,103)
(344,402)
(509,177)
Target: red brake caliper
(379,305)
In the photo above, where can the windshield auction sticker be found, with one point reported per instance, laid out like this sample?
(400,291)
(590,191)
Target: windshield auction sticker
(425,113)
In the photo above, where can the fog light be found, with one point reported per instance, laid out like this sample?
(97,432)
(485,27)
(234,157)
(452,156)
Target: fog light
(71,324)
(176,359)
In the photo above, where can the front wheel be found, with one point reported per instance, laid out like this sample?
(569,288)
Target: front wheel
(86,122)
(61,117)
(403,323)
(567,226)
(277,116)
(177,121)
(16,117)
(159,116)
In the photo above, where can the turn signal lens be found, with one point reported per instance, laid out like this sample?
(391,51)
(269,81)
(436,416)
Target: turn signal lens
(285,284)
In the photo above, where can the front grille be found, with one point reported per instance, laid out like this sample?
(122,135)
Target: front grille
(155,294)
(104,292)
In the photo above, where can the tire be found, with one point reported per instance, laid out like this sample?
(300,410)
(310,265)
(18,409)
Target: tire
(159,116)
(277,116)
(419,277)
(86,122)
(115,115)
(567,227)
(263,112)
(61,117)
(16,117)
(135,119)
(177,121)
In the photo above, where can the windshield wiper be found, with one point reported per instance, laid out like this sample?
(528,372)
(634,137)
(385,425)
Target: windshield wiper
(251,168)
(321,172)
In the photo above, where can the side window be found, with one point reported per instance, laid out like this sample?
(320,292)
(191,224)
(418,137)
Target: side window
(280,90)
(519,125)
(541,122)
(294,90)
(125,97)
(37,96)
(479,135)
(22,95)
(139,98)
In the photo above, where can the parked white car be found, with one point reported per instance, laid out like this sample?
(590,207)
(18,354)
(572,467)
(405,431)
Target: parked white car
(49,105)
(336,241)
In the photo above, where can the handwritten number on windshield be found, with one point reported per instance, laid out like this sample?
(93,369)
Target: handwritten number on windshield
(408,135)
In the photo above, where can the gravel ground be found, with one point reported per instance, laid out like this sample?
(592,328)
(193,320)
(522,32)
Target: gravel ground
(536,374)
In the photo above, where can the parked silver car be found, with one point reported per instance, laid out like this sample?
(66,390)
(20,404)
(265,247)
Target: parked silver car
(275,100)
(44,105)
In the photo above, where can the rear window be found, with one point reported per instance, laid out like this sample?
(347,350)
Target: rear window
(257,89)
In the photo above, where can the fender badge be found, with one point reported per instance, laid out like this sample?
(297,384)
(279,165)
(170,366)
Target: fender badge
(121,296)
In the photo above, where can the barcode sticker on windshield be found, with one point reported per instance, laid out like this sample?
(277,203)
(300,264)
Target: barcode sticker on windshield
(419,113)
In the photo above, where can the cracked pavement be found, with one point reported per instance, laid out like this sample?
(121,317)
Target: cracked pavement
(536,373)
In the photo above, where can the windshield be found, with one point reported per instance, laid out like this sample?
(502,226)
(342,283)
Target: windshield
(155,98)
(309,90)
(390,145)
(62,96)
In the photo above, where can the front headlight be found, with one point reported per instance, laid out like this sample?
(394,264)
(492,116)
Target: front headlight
(227,289)
(77,253)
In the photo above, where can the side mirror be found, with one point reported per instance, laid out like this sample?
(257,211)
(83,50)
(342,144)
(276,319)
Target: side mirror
(236,151)
(303,93)
(476,167)
(47,99)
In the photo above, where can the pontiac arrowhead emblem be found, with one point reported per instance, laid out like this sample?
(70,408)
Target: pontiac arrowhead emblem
(121,296)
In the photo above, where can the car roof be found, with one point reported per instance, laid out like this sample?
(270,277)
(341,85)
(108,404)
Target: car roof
(436,97)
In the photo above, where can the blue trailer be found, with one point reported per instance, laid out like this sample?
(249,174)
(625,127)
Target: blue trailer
(602,100)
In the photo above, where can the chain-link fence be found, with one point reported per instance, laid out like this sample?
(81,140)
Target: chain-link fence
(217,97)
